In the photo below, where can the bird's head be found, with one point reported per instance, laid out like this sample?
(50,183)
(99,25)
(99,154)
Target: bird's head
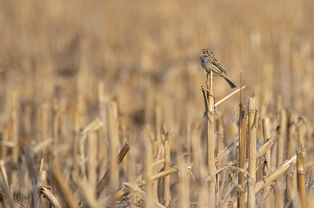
(207,51)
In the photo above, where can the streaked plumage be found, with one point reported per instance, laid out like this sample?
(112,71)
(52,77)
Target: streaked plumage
(211,64)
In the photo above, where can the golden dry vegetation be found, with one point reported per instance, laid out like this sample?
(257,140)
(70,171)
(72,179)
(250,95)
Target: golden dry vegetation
(83,83)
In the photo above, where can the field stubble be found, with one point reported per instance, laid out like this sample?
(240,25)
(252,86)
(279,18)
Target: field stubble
(102,105)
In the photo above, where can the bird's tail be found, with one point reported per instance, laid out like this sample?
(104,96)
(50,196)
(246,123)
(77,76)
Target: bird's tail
(231,84)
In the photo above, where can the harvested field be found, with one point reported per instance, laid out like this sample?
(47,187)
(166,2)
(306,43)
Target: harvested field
(104,103)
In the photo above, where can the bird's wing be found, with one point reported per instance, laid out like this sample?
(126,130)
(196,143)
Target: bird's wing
(218,65)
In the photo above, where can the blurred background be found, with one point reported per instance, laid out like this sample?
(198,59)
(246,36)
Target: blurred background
(140,50)
(69,56)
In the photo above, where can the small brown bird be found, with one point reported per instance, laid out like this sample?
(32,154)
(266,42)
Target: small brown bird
(211,64)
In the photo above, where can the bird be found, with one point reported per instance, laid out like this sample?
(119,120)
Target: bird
(210,64)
